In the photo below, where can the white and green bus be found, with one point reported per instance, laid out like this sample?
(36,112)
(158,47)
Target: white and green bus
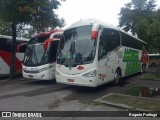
(92,53)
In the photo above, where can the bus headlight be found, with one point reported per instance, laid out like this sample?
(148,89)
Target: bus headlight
(90,74)
(57,73)
(41,70)
(45,68)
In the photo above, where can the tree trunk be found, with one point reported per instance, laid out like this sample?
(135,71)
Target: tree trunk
(13,67)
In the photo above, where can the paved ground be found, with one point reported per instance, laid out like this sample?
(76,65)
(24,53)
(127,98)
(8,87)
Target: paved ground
(34,95)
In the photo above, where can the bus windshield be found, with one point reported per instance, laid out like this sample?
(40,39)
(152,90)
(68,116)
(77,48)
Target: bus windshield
(39,39)
(76,46)
(35,55)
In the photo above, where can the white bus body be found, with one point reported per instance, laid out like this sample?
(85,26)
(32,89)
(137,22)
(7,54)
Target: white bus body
(92,53)
(39,62)
(5,54)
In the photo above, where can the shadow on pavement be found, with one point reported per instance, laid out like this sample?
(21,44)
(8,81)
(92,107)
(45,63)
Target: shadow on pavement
(41,82)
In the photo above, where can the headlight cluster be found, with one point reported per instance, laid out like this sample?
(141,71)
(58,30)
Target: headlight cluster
(90,74)
(38,71)
(45,68)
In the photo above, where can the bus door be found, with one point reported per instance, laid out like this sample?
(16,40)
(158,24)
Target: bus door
(53,52)
(108,42)
(50,46)
(52,56)
(102,58)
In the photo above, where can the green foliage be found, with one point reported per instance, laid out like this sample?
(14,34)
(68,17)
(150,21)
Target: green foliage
(142,19)
(39,14)
(5,28)
(134,91)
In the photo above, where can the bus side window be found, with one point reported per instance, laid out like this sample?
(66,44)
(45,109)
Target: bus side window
(21,47)
(5,44)
(53,51)
(113,39)
(101,45)
(109,40)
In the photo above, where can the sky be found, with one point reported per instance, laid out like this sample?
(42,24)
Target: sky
(104,10)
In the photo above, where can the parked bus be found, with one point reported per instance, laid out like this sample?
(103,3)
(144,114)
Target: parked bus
(40,56)
(154,59)
(92,53)
(5,54)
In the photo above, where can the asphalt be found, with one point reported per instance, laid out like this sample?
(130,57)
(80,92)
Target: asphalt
(150,83)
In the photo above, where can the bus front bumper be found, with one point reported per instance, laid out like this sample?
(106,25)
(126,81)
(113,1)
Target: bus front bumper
(77,80)
(39,76)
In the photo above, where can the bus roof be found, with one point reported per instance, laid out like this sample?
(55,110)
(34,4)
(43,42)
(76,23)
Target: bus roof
(47,33)
(156,54)
(17,38)
(91,21)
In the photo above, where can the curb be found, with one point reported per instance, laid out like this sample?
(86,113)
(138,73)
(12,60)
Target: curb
(123,105)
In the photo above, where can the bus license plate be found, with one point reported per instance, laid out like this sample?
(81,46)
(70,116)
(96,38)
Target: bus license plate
(30,76)
(70,80)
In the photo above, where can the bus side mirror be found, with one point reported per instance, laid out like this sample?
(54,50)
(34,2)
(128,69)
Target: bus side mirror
(46,43)
(94,31)
(18,48)
(94,35)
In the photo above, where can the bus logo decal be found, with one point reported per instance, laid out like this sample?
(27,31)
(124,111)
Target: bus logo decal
(80,68)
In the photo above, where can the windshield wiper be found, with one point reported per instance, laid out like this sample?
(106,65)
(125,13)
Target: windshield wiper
(65,57)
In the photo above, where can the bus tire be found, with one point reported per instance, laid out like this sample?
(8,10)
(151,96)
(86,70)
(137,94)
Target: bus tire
(117,77)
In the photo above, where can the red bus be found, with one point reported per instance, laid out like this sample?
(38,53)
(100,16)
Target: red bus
(5,54)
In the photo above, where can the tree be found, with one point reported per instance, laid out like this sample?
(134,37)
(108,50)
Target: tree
(38,13)
(137,17)
(154,32)
(5,28)
(158,67)
(141,18)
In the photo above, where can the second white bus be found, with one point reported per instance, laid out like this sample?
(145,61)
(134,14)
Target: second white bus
(92,53)
(40,56)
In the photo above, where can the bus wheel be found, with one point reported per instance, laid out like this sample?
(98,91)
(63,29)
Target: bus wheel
(117,77)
